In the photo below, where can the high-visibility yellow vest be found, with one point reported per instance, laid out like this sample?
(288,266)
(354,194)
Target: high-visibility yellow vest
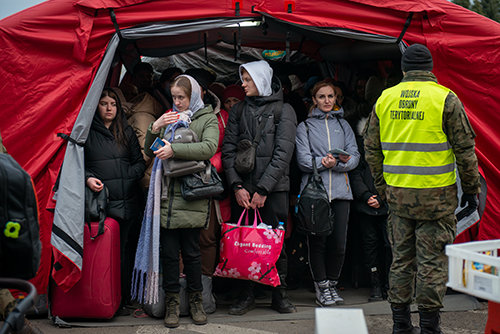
(416,149)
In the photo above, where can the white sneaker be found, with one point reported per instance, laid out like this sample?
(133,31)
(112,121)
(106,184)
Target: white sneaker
(323,295)
(334,292)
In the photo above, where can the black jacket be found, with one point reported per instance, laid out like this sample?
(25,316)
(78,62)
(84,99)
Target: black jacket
(275,149)
(361,178)
(119,168)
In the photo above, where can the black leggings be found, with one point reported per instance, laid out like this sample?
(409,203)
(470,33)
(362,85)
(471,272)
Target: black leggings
(326,254)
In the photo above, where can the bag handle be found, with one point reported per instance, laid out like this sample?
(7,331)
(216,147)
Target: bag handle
(245,211)
(102,218)
(313,160)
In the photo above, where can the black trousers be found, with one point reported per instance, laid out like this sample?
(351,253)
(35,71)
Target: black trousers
(275,210)
(326,254)
(188,241)
(125,268)
(375,240)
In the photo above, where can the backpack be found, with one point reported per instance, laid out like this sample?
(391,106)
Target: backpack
(313,213)
(20,245)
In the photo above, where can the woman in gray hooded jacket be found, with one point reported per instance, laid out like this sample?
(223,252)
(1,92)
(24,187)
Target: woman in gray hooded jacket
(328,131)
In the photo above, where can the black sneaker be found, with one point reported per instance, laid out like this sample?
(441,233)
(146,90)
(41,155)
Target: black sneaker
(281,303)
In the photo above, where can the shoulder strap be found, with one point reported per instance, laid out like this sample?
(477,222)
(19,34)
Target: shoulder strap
(313,160)
(263,121)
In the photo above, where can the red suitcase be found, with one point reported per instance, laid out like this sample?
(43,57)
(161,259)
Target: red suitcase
(97,294)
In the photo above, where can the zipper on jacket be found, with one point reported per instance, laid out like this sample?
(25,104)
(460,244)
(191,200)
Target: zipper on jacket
(329,148)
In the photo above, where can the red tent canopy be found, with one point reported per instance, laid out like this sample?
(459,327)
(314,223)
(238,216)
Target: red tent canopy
(51,54)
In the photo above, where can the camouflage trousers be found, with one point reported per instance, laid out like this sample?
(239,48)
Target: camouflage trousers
(419,260)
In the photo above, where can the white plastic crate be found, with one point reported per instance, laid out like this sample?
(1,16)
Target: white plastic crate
(464,258)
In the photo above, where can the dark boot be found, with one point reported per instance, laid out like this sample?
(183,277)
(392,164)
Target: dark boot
(429,322)
(402,321)
(196,308)
(376,290)
(172,310)
(280,301)
(245,301)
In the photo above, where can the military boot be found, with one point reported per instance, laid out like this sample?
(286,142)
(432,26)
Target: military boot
(429,322)
(196,308)
(402,321)
(172,310)
(376,286)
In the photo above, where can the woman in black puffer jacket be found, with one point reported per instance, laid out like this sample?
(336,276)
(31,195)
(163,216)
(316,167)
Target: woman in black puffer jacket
(113,157)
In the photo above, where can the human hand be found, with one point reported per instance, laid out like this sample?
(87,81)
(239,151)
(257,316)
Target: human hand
(165,152)
(257,201)
(372,201)
(165,119)
(344,158)
(242,198)
(94,184)
(329,161)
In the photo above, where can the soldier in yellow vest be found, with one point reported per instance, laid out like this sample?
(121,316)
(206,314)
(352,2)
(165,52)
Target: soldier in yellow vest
(418,133)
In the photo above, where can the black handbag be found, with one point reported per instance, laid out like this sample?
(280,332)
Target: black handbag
(201,185)
(313,213)
(96,207)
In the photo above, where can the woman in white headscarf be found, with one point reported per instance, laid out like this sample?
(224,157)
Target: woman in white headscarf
(181,221)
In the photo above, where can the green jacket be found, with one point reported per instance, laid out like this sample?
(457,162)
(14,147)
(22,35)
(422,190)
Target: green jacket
(175,211)
(433,203)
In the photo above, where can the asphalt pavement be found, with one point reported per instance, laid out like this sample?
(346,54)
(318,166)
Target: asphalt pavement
(462,314)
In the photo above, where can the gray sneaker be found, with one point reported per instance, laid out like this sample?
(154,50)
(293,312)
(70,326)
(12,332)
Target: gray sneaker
(335,293)
(323,294)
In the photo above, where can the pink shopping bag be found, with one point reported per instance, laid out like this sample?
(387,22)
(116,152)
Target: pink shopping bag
(250,252)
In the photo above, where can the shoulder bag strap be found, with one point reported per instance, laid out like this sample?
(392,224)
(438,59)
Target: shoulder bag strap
(313,160)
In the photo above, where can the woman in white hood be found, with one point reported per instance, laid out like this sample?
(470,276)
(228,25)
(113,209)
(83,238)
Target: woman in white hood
(266,186)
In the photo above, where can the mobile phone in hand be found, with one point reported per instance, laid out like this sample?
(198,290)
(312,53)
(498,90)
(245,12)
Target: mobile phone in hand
(336,151)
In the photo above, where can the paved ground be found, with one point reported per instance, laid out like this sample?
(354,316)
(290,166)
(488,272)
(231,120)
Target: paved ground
(462,314)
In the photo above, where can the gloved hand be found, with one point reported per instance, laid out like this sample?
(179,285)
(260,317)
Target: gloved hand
(470,201)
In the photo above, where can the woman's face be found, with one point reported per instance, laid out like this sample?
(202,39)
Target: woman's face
(340,97)
(107,110)
(248,84)
(180,98)
(230,102)
(325,99)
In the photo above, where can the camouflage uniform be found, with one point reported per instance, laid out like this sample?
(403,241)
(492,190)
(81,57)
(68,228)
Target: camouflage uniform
(422,221)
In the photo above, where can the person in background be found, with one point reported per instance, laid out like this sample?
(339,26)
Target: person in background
(113,158)
(232,95)
(418,133)
(266,186)
(181,221)
(328,131)
(369,210)
(217,88)
(129,90)
(162,88)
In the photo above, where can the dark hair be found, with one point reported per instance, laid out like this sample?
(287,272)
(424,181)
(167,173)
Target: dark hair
(167,74)
(116,127)
(184,84)
(143,67)
(201,75)
(317,87)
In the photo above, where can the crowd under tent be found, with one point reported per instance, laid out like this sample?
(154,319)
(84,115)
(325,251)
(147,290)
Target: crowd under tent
(57,56)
